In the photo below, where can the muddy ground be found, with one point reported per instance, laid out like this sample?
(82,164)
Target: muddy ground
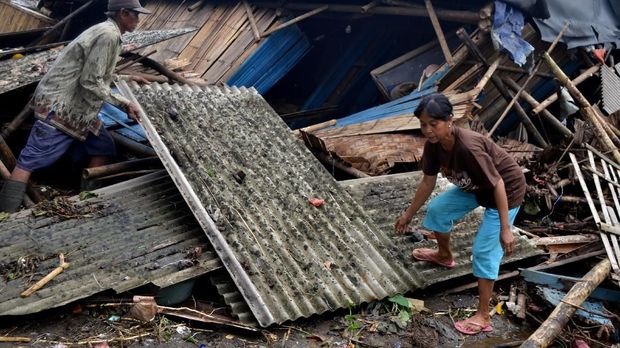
(377,324)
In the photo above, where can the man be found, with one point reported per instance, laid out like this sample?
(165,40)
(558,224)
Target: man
(68,99)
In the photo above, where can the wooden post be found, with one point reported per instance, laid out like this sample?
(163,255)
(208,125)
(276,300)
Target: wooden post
(538,139)
(562,313)
(586,108)
(295,20)
(552,120)
(579,79)
(442,39)
(114,168)
(529,78)
(252,20)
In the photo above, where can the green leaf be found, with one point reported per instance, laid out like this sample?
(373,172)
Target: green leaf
(404,316)
(400,300)
(86,195)
(531,208)
(4,216)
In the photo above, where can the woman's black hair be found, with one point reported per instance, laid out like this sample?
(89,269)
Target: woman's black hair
(436,105)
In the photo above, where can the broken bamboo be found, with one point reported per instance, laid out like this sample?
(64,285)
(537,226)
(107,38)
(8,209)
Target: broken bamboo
(41,283)
(529,78)
(538,139)
(545,114)
(562,313)
(586,108)
(579,79)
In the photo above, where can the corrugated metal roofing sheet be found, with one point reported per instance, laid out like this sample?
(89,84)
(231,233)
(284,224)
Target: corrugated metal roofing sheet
(137,232)
(610,83)
(275,57)
(384,198)
(248,180)
(16,73)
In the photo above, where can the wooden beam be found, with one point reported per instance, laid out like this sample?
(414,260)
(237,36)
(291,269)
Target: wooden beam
(545,114)
(252,20)
(295,20)
(579,79)
(529,78)
(442,39)
(547,331)
(414,11)
(538,139)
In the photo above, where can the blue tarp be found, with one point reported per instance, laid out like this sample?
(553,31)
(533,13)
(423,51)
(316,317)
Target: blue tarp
(114,118)
(508,24)
(275,57)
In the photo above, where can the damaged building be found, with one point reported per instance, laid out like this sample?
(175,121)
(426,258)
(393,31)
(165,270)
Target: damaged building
(277,146)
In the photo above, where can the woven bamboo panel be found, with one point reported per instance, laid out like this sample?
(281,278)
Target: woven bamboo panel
(15,18)
(224,38)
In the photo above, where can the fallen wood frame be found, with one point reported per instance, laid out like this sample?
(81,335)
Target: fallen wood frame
(610,173)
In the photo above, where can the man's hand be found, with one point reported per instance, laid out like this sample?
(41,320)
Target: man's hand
(139,79)
(507,240)
(402,223)
(132,111)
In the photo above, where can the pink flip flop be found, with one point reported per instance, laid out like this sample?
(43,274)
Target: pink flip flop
(430,255)
(464,326)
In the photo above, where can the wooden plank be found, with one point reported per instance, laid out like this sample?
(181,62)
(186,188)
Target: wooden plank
(599,190)
(570,239)
(584,187)
(437,27)
(248,11)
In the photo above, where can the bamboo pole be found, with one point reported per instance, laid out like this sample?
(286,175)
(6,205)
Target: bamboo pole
(579,79)
(139,164)
(41,283)
(586,109)
(442,39)
(545,114)
(529,78)
(538,139)
(562,313)
(295,20)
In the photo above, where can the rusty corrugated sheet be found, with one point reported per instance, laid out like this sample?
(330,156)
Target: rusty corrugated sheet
(137,232)
(248,181)
(16,73)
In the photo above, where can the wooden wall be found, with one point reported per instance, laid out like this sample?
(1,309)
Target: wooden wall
(15,18)
(223,41)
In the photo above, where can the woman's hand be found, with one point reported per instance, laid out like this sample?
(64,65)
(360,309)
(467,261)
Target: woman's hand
(403,222)
(507,240)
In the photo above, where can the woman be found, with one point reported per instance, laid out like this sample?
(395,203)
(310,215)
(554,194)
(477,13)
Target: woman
(484,175)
